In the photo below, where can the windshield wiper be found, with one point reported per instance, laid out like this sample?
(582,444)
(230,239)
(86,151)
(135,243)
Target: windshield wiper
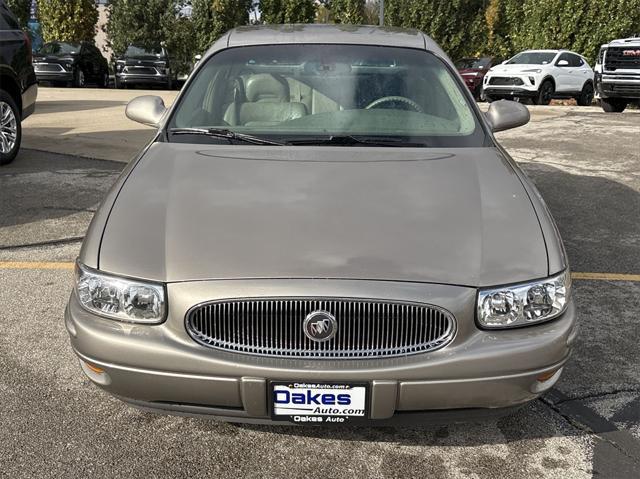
(225,134)
(349,140)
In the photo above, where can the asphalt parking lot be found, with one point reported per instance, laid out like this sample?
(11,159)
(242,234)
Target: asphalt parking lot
(55,423)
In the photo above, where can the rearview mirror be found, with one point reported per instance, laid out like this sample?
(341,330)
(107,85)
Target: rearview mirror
(147,110)
(563,63)
(504,115)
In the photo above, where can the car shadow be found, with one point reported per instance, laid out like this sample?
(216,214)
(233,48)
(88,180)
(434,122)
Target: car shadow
(62,106)
(47,197)
(598,218)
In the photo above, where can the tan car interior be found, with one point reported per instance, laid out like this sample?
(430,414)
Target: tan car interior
(265,99)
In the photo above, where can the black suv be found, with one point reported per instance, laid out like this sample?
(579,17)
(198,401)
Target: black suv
(144,66)
(73,64)
(18,84)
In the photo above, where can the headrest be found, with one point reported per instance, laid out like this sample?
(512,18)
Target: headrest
(266,87)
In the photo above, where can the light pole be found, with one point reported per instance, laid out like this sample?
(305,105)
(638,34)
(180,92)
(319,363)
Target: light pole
(381,13)
(33,26)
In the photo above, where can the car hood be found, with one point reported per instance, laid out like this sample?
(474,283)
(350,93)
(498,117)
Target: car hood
(142,61)
(472,70)
(516,68)
(194,212)
(67,57)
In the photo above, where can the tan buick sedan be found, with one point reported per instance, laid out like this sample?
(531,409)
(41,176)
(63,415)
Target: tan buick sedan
(324,230)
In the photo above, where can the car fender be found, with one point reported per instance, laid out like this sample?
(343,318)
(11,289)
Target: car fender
(549,77)
(9,82)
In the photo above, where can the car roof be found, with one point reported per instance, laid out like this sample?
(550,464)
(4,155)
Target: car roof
(622,41)
(325,34)
(545,51)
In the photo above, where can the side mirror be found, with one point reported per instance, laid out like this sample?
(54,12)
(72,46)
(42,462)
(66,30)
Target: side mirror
(563,63)
(504,62)
(504,115)
(147,110)
(198,57)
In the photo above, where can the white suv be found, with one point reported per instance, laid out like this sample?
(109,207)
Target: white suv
(541,75)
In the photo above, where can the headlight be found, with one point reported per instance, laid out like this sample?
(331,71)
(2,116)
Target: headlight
(120,66)
(524,304)
(533,70)
(68,66)
(120,298)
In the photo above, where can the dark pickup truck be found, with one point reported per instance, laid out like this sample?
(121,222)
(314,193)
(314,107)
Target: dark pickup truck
(18,84)
(141,65)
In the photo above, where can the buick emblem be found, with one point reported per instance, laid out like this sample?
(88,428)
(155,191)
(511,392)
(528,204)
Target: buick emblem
(320,326)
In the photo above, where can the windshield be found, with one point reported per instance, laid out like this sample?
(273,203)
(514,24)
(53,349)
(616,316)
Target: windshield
(294,93)
(59,48)
(138,51)
(532,58)
(476,63)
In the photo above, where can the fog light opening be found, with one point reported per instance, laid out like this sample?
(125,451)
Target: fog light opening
(546,380)
(95,373)
(93,368)
(546,376)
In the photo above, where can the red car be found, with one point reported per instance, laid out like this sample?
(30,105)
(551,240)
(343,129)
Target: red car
(473,71)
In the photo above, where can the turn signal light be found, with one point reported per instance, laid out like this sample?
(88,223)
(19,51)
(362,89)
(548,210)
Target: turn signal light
(546,376)
(95,369)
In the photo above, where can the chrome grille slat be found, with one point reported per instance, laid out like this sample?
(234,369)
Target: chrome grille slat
(366,328)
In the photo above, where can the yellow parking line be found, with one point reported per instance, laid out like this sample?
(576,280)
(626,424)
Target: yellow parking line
(70,265)
(35,265)
(606,276)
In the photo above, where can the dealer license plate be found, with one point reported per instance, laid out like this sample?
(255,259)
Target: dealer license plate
(318,403)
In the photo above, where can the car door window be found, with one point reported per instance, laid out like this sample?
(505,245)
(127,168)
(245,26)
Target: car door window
(575,61)
(566,57)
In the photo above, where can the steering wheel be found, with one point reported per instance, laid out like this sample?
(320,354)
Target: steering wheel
(392,99)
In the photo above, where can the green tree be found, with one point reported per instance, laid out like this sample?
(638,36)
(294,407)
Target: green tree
(459,26)
(68,20)
(21,9)
(348,11)
(144,23)
(152,23)
(212,18)
(287,11)
(181,43)
(575,24)
(515,25)
(372,13)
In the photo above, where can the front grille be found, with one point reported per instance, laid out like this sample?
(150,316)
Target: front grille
(505,81)
(365,328)
(624,89)
(615,59)
(47,67)
(140,70)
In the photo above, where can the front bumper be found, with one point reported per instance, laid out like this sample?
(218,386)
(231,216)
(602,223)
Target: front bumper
(62,76)
(136,79)
(509,92)
(473,82)
(162,368)
(618,86)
